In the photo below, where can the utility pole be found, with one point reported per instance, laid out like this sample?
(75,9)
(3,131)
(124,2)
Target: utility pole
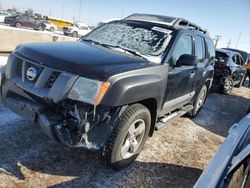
(217,38)
(229,42)
(238,40)
(80,9)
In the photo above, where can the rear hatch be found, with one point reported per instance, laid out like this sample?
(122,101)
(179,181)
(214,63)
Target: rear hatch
(221,62)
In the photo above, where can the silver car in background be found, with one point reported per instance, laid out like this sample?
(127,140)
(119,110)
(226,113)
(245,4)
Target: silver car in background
(231,165)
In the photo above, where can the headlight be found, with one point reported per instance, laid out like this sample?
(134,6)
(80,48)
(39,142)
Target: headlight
(89,91)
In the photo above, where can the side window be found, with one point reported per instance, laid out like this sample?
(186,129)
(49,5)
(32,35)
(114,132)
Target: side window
(183,46)
(241,61)
(210,49)
(31,19)
(199,47)
(239,177)
(24,17)
(83,28)
(236,60)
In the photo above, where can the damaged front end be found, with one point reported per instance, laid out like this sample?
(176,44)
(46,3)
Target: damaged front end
(85,125)
(66,106)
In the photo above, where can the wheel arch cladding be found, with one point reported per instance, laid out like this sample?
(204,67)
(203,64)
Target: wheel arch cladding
(136,86)
(151,104)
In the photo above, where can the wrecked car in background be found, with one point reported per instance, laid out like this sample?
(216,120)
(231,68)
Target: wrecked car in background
(231,165)
(114,87)
(229,71)
(22,20)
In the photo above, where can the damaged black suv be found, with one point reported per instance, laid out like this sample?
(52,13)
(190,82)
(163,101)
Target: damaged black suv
(114,87)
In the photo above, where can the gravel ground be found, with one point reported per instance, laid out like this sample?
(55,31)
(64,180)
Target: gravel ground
(174,157)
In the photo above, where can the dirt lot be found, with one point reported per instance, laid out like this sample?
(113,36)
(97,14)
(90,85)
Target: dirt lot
(174,157)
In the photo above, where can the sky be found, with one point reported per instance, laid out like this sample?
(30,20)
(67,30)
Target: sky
(229,19)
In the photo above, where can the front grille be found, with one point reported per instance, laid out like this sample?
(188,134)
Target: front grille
(48,78)
(19,68)
(52,79)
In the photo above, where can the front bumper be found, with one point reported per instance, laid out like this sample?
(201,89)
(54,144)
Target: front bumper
(29,110)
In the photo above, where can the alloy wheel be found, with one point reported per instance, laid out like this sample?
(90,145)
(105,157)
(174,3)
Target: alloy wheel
(133,139)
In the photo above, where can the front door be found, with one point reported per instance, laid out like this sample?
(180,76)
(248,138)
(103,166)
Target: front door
(180,79)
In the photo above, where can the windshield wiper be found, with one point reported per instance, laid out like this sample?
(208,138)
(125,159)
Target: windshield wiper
(133,52)
(93,42)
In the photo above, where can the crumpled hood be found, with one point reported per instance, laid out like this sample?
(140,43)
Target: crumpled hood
(81,58)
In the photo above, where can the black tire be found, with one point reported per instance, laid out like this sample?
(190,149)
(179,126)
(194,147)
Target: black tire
(199,101)
(52,29)
(227,86)
(18,25)
(241,82)
(74,34)
(111,153)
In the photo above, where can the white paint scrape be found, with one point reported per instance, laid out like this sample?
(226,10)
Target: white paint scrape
(3,60)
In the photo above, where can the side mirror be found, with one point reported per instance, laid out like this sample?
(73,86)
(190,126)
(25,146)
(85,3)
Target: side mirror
(187,60)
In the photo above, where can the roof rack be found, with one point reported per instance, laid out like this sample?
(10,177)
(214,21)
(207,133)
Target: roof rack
(183,23)
(166,20)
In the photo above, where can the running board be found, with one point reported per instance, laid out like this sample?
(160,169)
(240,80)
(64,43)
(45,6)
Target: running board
(162,121)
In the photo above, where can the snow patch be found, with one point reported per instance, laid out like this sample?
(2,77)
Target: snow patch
(3,60)
(56,33)
(7,117)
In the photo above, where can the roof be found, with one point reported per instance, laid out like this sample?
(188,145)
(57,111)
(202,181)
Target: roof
(110,20)
(80,23)
(226,51)
(166,20)
(244,54)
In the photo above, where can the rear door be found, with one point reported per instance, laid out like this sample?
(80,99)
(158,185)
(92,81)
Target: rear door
(236,69)
(200,71)
(240,68)
(178,90)
(24,20)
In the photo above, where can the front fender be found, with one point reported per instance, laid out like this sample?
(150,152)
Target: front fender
(137,85)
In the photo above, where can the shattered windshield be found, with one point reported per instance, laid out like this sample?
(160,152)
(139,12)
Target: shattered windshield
(144,38)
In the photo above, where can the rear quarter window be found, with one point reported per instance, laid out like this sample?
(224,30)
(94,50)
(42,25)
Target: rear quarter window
(210,48)
(199,47)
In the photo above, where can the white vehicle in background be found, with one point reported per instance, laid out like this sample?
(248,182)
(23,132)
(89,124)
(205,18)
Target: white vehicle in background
(3,15)
(48,26)
(77,30)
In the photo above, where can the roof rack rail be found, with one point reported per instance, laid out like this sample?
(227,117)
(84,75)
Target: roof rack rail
(167,20)
(183,23)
